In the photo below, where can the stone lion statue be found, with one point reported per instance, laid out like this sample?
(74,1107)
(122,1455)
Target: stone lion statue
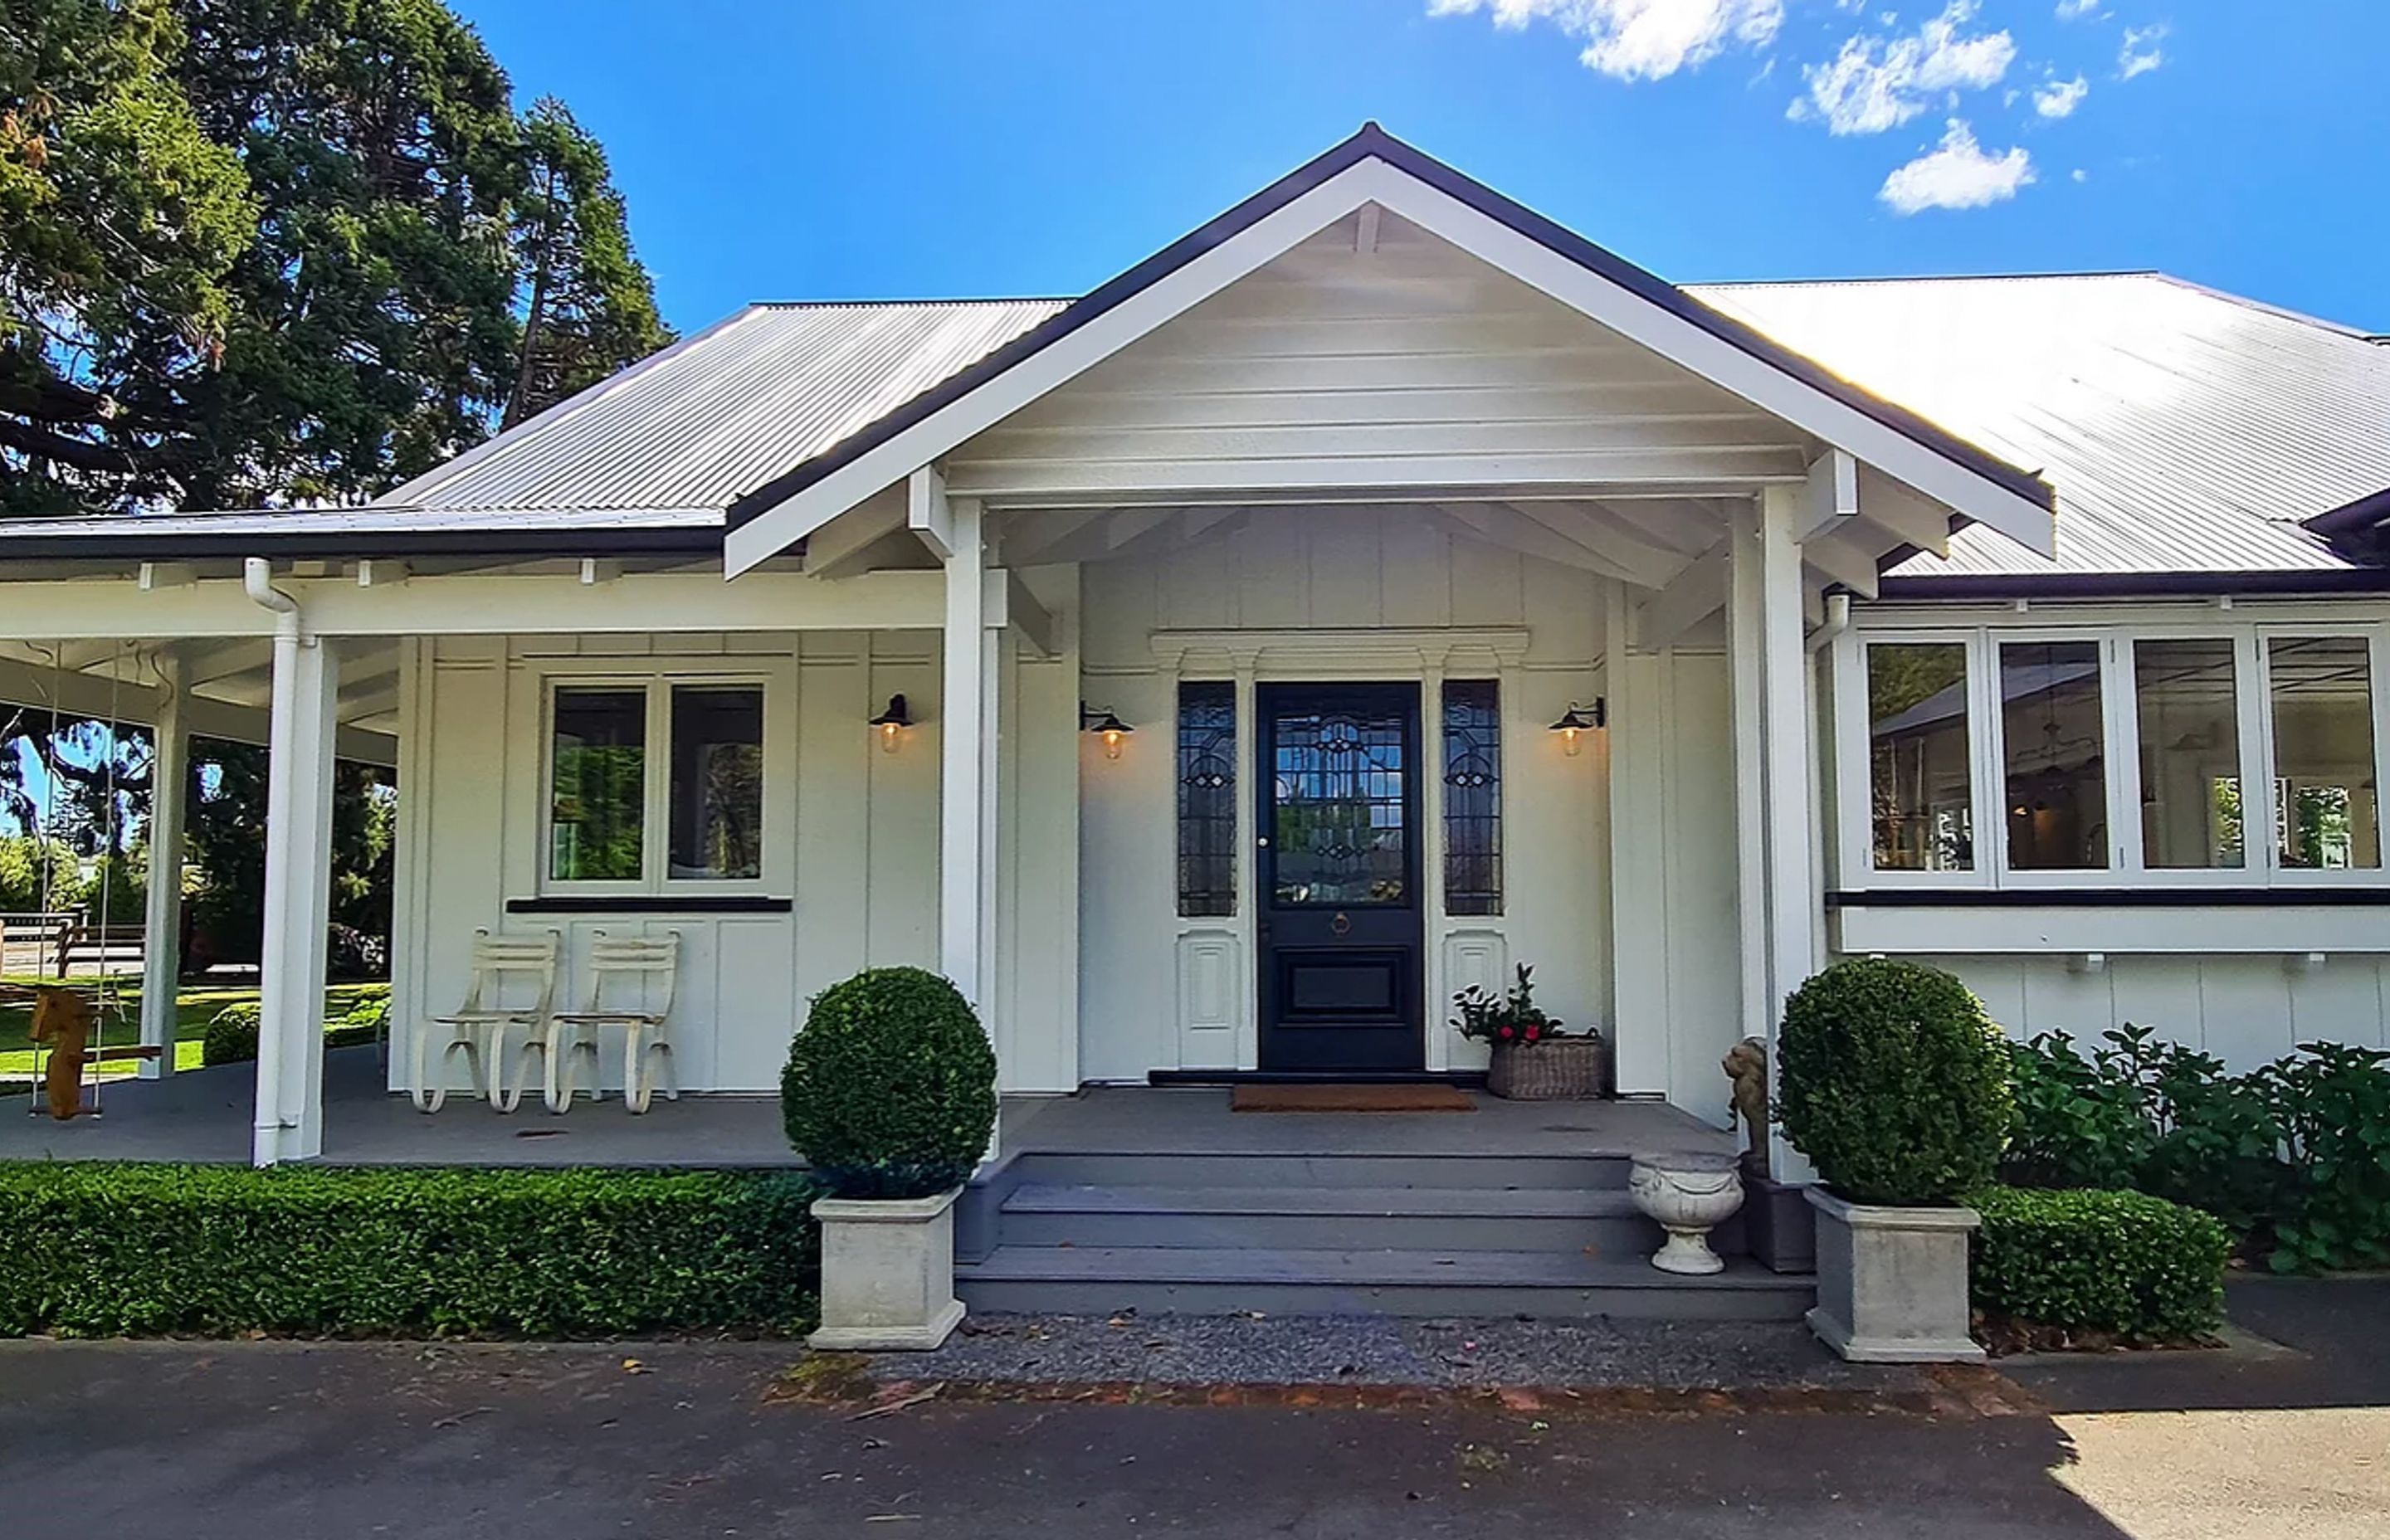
(1746,1067)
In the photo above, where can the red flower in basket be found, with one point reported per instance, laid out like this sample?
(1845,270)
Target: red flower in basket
(1506,1035)
(1534,1032)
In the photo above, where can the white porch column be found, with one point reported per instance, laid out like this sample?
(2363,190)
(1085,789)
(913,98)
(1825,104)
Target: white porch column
(161,927)
(289,1125)
(964,870)
(1776,899)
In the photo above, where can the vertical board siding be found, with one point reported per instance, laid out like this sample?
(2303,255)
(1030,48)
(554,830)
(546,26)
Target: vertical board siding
(1150,981)
(850,833)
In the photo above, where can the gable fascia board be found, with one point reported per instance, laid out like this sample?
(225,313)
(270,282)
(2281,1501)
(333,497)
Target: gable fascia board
(1668,332)
(770,530)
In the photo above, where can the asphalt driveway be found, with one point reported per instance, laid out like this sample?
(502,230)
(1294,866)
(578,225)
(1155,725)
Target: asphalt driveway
(321,1441)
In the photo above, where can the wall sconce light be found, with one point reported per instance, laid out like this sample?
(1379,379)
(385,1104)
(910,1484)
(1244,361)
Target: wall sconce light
(891,724)
(1577,720)
(1111,729)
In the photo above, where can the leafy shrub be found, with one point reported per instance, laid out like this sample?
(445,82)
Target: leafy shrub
(2293,1157)
(367,1018)
(890,1089)
(231,1037)
(2121,1264)
(2331,1107)
(1893,1082)
(133,1249)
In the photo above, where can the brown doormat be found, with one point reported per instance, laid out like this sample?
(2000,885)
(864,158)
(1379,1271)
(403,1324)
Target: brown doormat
(1349,1098)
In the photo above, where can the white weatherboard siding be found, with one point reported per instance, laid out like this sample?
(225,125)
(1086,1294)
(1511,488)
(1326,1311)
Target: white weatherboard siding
(1414,366)
(850,834)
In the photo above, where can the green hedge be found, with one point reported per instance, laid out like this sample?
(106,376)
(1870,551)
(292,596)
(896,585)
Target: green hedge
(142,1249)
(2122,1264)
(231,1037)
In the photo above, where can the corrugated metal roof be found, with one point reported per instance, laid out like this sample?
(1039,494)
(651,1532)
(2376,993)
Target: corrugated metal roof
(732,406)
(2185,431)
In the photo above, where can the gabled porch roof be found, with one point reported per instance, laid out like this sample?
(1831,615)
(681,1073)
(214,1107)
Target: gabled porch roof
(1375,170)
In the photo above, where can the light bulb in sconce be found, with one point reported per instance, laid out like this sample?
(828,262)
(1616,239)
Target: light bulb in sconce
(1577,720)
(1108,727)
(891,724)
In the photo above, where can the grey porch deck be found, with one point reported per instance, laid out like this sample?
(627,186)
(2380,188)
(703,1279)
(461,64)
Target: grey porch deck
(204,1116)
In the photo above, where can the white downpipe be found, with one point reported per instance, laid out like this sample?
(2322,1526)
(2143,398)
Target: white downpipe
(1837,621)
(289,636)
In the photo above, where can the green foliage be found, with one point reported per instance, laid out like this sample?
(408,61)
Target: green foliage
(37,874)
(1511,1016)
(2293,1157)
(231,1037)
(2122,1264)
(138,1249)
(283,250)
(2331,1106)
(890,1089)
(1895,1083)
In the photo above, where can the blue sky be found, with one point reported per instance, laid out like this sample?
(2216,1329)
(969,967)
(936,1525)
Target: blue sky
(814,150)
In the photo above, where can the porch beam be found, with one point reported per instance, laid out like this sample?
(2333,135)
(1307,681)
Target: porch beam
(833,551)
(1645,563)
(1904,514)
(1027,537)
(1839,562)
(928,513)
(481,603)
(161,920)
(1497,525)
(1026,618)
(1830,498)
(290,1108)
(1690,597)
(32,687)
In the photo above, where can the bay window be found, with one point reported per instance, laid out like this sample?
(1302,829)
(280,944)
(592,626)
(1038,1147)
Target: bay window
(2239,753)
(623,819)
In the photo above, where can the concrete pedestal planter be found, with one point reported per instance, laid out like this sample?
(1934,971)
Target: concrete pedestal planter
(1891,1283)
(888,1273)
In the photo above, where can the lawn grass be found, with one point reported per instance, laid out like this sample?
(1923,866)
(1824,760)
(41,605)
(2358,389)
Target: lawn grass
(195,1007)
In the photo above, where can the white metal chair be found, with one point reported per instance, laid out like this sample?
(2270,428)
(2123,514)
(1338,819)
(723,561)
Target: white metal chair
(632,981)
(479,1027)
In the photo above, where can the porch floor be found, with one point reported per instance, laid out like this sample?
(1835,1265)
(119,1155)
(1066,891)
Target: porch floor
(1109,1119)
(203,1116)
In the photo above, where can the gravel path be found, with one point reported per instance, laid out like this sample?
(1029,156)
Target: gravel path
(1341,1350)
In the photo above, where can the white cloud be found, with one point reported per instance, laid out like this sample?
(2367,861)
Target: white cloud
(2059,98)
(1639,39)
(1956,175)
(2069,11)
(2081,175)
(1877,82)
(2141,53)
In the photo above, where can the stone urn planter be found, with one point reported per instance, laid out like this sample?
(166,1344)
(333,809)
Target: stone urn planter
(1893,1282)
(1687,1195)
(888,1273)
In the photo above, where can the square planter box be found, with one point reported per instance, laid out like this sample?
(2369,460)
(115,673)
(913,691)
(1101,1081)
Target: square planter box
(1560,1068)
(888,1273)
(1891,1283)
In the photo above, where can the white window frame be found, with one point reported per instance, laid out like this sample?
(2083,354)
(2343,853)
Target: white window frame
(2121,746)
(655,832)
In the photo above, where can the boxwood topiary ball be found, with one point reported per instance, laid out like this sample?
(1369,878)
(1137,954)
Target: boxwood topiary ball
(890,1089)
(1895,1082)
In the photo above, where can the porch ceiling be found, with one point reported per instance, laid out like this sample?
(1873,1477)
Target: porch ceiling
(229,687)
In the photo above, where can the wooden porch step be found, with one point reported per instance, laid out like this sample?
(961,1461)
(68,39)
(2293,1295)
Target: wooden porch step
(1601,1221)
(1087,1280)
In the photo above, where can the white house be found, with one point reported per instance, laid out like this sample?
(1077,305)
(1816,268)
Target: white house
(2031,626)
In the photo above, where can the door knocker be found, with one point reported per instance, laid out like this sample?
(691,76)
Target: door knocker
(1341,925)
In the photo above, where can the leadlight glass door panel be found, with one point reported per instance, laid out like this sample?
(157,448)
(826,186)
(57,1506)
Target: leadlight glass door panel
(1340,930)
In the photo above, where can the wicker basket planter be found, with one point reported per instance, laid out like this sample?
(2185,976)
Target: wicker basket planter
(1558,1069)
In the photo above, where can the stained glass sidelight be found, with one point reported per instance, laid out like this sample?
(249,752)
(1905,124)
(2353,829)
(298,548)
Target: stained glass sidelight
(1341,802)
(1207,800)
(1473,797)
